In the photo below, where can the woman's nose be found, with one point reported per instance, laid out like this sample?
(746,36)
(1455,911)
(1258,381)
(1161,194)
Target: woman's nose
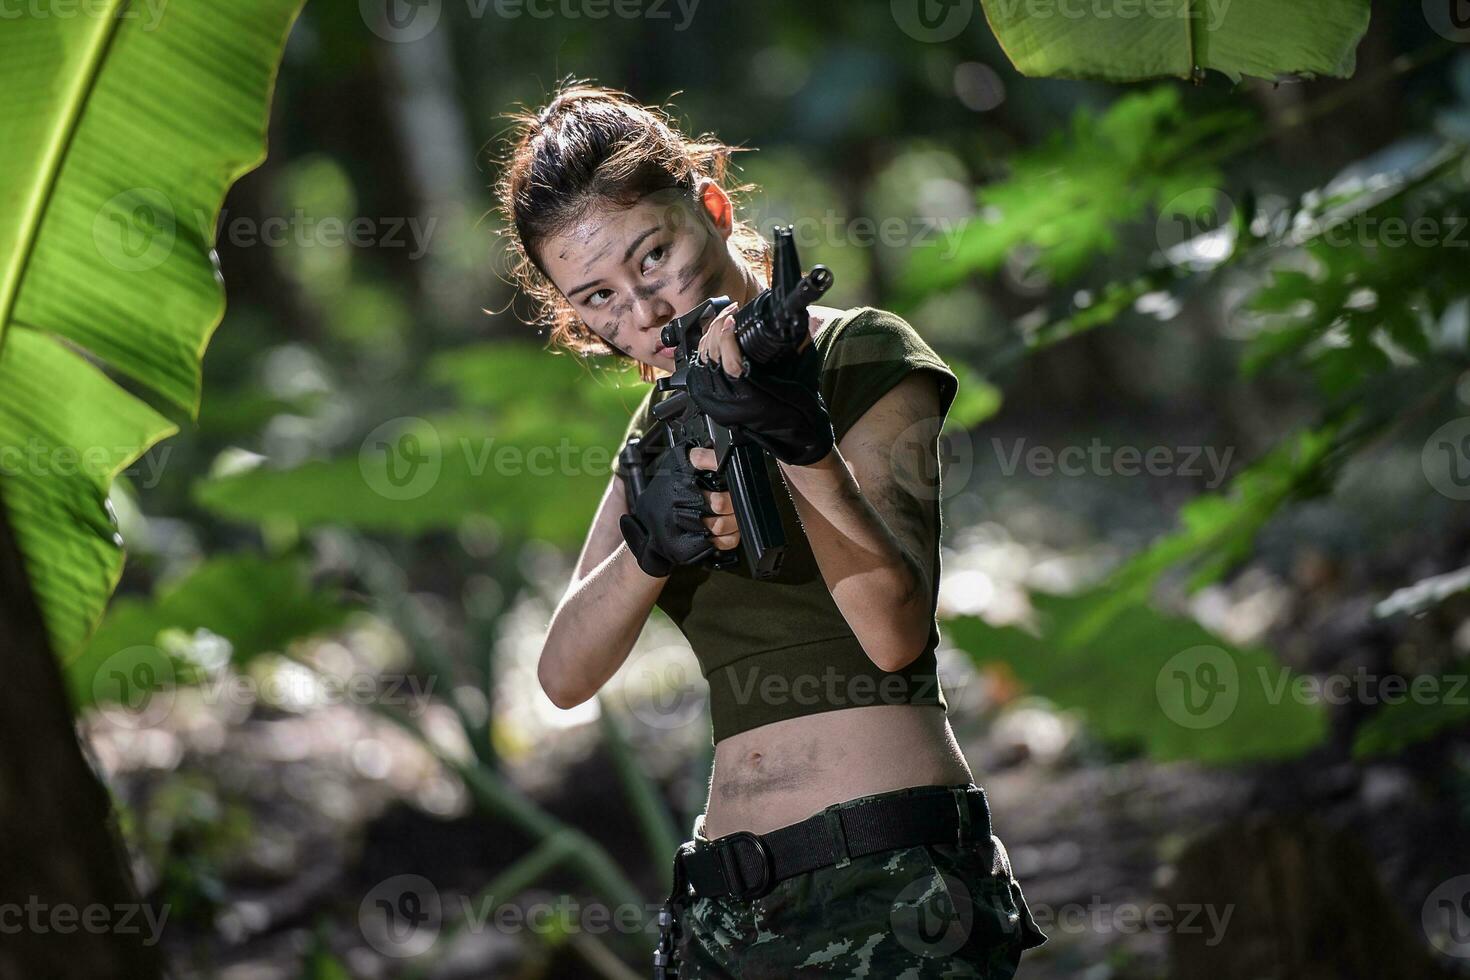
(652,312)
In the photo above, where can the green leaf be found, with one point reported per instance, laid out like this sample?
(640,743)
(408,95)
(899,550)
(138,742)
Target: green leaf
(61,455)
(1440,702)
(535,458)
(1363,294)
(257,604)
(122,127)
(1128,40)
(1162,683)
(1061,203)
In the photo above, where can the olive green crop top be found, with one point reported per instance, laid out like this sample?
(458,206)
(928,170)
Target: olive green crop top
(780,648)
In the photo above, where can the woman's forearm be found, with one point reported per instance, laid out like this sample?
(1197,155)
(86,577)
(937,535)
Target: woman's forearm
(876,583)
(594,626)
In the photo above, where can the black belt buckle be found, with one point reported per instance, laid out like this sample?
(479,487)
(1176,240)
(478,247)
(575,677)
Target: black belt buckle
(734,878)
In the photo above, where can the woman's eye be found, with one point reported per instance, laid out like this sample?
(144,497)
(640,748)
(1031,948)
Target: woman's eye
(592,299)
(655,255)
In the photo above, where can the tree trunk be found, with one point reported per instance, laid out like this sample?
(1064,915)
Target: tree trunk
(68,907)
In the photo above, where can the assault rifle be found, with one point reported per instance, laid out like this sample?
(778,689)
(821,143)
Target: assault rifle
(769,328)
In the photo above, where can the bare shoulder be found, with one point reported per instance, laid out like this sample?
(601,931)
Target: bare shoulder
(908,412)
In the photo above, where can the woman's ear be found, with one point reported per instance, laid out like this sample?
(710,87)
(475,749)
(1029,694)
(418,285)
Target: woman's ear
(717,205)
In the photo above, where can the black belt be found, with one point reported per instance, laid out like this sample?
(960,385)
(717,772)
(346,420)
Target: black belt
(748,865)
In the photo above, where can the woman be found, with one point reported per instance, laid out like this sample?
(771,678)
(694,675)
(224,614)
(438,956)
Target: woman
(843,833)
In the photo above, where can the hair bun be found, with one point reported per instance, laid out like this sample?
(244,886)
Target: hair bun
(550,110)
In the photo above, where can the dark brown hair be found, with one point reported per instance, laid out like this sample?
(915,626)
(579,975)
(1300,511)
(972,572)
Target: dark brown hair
(591,146)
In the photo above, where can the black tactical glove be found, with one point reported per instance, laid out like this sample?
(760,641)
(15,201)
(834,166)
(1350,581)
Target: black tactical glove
(778,404)
(665,527)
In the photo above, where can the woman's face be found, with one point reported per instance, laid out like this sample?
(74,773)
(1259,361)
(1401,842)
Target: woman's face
(629,271)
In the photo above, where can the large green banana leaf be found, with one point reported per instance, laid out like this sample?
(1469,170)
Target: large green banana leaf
(122,126)
(1127,40)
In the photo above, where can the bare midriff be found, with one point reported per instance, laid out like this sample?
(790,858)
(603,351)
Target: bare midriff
(783,772)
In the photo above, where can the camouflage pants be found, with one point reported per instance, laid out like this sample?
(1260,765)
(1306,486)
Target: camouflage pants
(931,910)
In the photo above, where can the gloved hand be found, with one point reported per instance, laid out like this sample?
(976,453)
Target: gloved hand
(666,526)
(778,404)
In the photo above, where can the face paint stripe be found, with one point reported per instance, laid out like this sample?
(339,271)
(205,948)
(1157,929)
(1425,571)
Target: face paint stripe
(688,274)
(593,260)
(650,290)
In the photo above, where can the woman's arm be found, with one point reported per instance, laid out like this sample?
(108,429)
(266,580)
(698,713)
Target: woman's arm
(870,506)
(603,611)
(598,620)
(870,512)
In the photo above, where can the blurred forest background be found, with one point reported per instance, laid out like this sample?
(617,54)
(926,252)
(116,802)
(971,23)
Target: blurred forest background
(1206,594)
